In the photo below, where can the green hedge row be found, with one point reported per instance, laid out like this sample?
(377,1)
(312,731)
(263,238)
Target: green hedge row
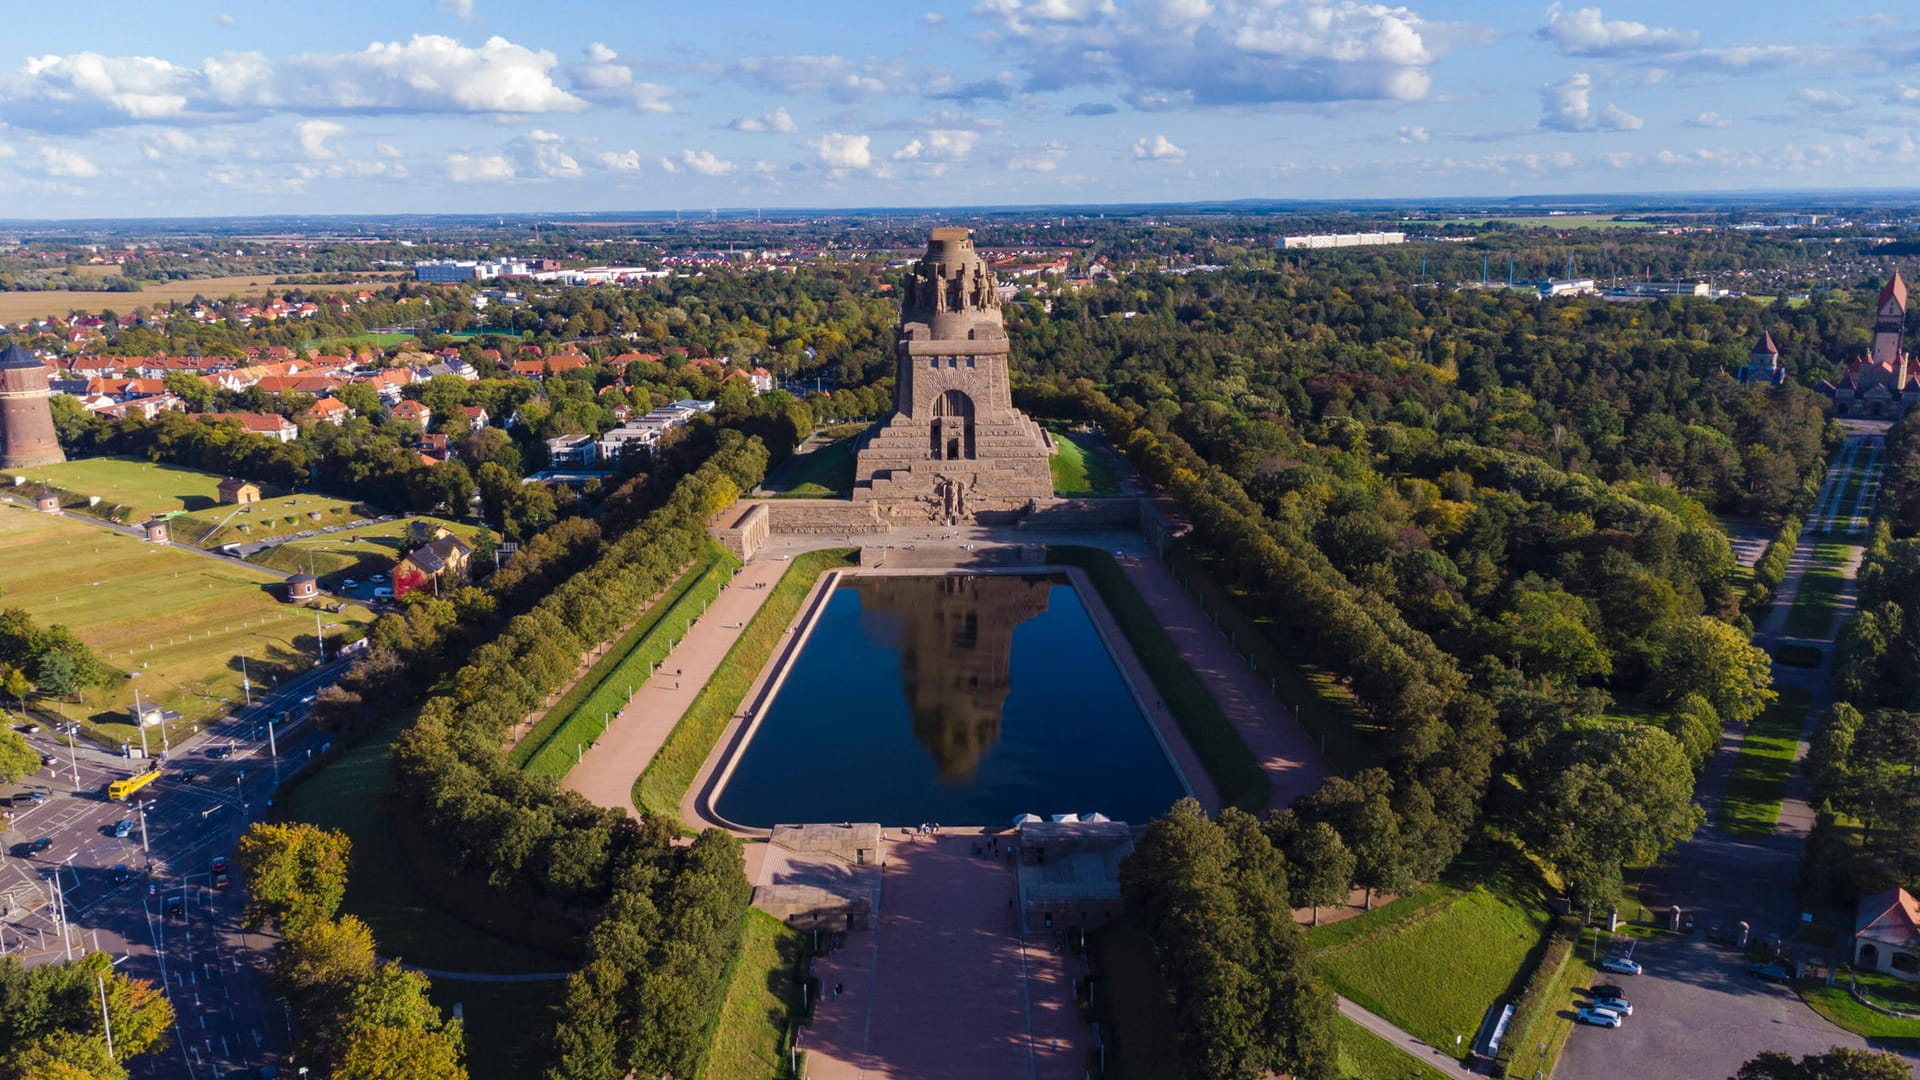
(1536,1001)
(1771,570)
(551,748)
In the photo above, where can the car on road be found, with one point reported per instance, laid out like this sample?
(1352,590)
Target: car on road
(175,907)
(186,776)
(45,843)
(49,760)
(219,752)
(123,828)
(29,729)
(1613,1004)
(218,865)
(121,875)
(1620,965)
(1597,1017)
(1770,972)
(221,881)
(34,798)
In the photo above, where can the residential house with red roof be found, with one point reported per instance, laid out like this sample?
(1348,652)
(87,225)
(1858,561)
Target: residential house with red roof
(1886,935)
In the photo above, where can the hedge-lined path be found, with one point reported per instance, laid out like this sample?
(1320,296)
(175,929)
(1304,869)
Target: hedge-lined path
(608,768)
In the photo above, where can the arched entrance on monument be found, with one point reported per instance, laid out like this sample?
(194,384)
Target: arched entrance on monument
(952,432)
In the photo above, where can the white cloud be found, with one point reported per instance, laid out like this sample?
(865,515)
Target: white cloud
(777,122)
(1585,32)
(1040,159)
(1157,149)
(933,18)
(467,170)
(1413,134)
(62,162)
(1904,95)
(1825,100)
(386,150)
(621,161)
(313,136)
(425,74)
(602,70)
(224,19)
(844,152)
(909,152)
(1615,118)
(832,76)
(941,144)
(542,153)
(1710,120)
(1179,52)
(703,162)
(459,9)
(158,143)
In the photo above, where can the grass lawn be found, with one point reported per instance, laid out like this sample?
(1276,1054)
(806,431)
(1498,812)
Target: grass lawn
(1320,701)
(763,997)
(1838,1006)
(15,306)
(284,515)
(1083,465)
(667,778)
(1434,961)
(1366,1056)
(354,553)
(181,621)
(822,473)
(1813,606)
(1751,806)
(552,747)
(1226,758)
(139,489)
(506,1025)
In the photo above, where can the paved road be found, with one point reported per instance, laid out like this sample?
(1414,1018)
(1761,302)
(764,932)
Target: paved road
(216,976)
(1697,1013)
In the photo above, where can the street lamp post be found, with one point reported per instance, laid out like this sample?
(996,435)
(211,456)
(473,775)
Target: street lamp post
(145,848)
(73,757)
(140,721)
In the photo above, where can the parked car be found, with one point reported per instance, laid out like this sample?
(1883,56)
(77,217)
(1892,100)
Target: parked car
(1613,1004)
(123,828)
(1608,990)
(350,583)
(383,593)
(1620,965)
(1597,1017)
(377,578)
(1770,972)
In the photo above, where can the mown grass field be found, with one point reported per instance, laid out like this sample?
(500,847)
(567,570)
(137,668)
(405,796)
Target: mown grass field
(15,306)
(1558,221)
(552,747)
(143,488)
(1837,1005)
(1235,773)
(1751,806)
(179,619)
(1366,1056)
(821,473)
(763,998)
(1813,606)
(666,780)
(1432,962)
(284,515)
(1083,466)
(354,553)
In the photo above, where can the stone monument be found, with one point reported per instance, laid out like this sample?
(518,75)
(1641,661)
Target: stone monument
(955,449)
(27,436)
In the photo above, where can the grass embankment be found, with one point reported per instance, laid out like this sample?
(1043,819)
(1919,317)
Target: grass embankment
(553,746)
(1366,1056)
(352,553)
(762,1002)
(1083,466)
(129,489)
(1839,1006)
(1321,704)
(1226,758)
(1433,962)
(1813,606)
(180,621)
(268,519)
(821,473)
(1751,806)
(424,914)
(667,778)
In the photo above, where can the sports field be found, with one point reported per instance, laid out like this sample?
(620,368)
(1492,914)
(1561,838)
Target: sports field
(352,553)
(175,621)
(15,306)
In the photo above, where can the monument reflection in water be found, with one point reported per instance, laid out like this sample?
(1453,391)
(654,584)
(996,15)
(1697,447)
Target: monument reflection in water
(964,700)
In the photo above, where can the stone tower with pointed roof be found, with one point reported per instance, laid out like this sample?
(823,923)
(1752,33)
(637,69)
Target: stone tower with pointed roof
(26,412)
(955,448)
(1881,384)
(1763,364)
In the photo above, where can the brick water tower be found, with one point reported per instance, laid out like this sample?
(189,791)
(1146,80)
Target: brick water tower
(26,412)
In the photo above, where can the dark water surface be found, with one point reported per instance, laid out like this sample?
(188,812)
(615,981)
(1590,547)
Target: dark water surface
(961,700)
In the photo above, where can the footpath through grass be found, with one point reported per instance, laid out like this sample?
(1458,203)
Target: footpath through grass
(1366,1056)
(1758,783)
(552,747)
(1813,606)
(1434,961)
(1082,466)
(667,778)
(762,1003)
(1225,757)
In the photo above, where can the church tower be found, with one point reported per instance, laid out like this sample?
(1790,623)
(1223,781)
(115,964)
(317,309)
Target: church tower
(955,447)
(1889,323)
(26,412)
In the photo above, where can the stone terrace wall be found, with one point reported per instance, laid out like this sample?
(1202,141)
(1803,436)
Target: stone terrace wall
(1083,514)
(790,516)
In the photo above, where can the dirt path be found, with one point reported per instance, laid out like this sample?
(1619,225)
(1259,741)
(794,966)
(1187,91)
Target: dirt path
(608,768)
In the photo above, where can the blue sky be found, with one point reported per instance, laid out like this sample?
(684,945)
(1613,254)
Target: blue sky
(484,105)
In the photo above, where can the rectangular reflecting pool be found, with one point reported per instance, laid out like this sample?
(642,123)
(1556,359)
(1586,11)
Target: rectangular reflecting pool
(963,700)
